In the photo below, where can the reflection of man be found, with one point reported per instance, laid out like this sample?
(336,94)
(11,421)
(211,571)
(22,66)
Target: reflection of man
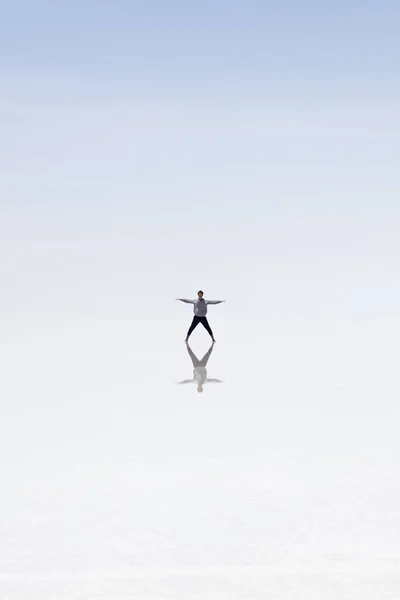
(199,369)
(200,311)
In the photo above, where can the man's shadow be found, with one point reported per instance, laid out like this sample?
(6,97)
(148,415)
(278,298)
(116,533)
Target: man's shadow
(199,369)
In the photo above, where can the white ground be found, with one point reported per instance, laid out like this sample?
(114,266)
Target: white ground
(280,483)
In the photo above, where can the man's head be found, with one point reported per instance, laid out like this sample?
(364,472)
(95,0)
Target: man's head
(200,294)
(199,388)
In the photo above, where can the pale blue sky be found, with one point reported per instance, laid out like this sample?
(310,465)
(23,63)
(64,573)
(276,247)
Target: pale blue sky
(156,106)
(214,39)
(222,139)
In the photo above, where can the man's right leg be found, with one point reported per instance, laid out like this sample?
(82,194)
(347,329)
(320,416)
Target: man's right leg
(193,326)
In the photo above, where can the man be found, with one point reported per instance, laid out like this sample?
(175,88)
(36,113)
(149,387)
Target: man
(199,369)
(200,311)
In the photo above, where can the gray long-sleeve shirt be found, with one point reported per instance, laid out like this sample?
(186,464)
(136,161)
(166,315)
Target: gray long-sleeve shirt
(200,305)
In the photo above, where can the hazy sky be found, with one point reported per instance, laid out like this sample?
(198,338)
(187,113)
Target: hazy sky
(192,145)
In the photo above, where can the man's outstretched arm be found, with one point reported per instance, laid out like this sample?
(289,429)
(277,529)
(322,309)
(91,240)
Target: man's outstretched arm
(214,301)
(185,300)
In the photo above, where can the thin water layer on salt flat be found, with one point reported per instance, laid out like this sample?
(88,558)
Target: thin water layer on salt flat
(120,482)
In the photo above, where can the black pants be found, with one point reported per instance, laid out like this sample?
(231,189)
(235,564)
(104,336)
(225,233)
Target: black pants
(203,321)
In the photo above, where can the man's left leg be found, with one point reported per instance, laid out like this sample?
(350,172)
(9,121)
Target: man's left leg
(207,326)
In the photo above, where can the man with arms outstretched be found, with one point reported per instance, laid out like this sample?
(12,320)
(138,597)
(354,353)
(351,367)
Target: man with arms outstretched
(200,311)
